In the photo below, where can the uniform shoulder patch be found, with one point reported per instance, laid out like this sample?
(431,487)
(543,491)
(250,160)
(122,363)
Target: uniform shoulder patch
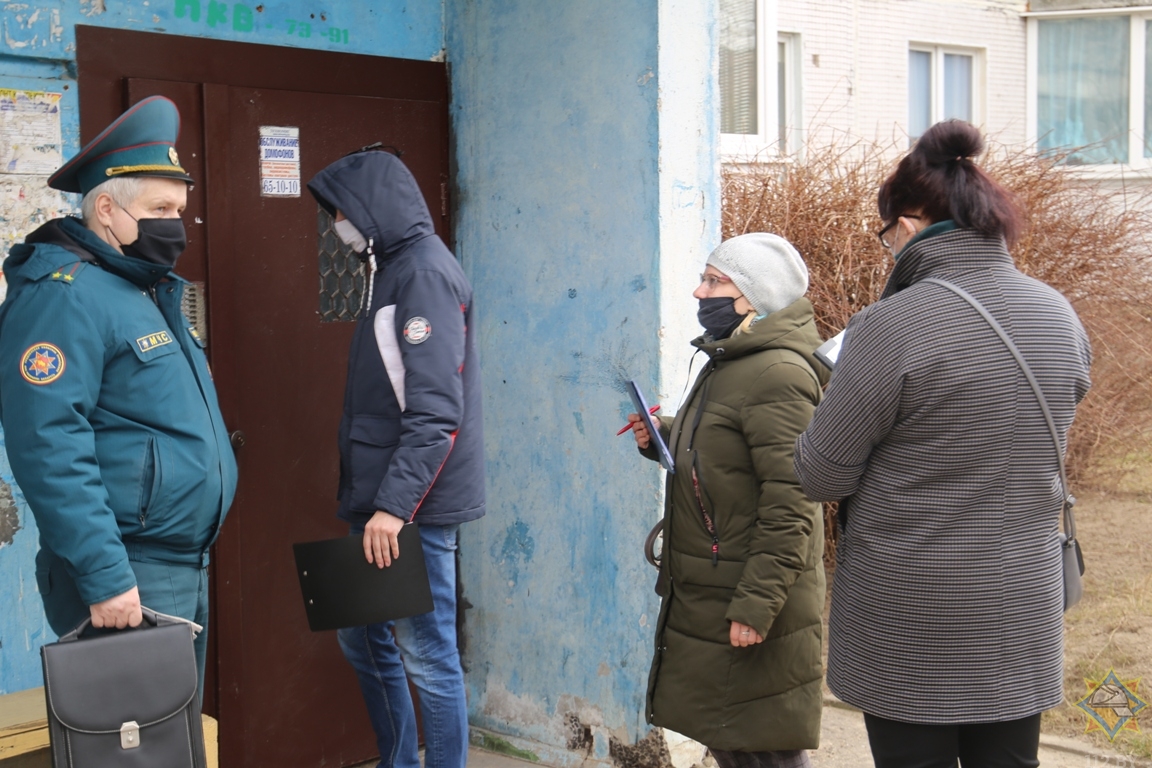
(66,274)
(417,330)
(43,363)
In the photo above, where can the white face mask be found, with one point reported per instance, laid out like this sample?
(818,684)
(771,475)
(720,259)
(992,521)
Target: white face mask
(350,235)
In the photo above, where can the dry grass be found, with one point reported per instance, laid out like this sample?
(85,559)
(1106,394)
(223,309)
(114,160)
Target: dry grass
(1079,238)
(1110,628)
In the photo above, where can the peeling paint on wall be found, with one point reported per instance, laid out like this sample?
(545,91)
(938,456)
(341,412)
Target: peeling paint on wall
(587,230)
(31,148)
(26,202)
(23,627)
(649,752)
(9,515)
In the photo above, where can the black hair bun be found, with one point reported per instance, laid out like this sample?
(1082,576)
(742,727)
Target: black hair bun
(948,142)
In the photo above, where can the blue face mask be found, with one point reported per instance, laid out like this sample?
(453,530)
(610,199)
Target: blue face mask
(718,316)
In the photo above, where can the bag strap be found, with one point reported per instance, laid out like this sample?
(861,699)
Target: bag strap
(1069,500)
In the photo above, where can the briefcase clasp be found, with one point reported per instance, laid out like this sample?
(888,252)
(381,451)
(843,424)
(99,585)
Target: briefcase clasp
(129,735)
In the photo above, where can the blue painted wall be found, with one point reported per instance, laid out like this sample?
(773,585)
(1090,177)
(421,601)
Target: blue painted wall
(577,161)
(556,131)
(412,29)
(37,53)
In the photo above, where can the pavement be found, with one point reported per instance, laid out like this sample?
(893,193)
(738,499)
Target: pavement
(844,744)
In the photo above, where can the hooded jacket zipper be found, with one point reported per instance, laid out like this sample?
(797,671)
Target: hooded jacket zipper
(697,486)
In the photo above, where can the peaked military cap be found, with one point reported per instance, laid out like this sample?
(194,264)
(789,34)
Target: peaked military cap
(141,142)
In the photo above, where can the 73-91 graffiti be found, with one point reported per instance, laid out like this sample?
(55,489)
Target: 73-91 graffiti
(241,17)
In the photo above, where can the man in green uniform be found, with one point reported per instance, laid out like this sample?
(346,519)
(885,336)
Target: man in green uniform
(112,424)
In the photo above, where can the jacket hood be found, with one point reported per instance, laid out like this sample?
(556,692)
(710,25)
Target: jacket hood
(379,195)
(51,233)
(792,328)
(949,251)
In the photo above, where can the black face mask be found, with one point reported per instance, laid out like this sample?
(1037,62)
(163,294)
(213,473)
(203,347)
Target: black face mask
(161,241)
(719,317)
(158,241)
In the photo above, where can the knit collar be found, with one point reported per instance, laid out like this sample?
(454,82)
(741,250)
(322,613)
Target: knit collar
(946,253)
(932,230)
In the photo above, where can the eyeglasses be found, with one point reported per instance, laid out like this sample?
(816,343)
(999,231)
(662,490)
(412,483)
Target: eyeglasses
(713,280)
(882,235)
(887,241)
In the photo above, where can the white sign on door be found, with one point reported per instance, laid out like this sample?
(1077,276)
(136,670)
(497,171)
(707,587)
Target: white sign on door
(279,161)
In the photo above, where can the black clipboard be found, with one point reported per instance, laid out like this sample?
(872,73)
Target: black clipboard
(641,407)
(342,589)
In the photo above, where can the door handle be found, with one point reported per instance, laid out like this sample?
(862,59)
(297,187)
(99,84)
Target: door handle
(238,439)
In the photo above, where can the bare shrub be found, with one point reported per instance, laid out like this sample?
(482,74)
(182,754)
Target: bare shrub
(1090,243)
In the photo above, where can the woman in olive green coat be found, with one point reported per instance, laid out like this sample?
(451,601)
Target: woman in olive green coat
(737,664)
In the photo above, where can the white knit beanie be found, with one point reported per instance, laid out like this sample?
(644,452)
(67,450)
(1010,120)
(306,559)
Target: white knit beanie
(766,269)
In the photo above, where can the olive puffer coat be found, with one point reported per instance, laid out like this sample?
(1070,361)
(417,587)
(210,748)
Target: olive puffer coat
(757,394)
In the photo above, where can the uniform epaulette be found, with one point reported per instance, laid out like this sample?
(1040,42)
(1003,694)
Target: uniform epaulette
(67,273)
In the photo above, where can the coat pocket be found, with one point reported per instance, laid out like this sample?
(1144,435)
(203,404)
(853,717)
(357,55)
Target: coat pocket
(151,476)
(373,440)
(153,346)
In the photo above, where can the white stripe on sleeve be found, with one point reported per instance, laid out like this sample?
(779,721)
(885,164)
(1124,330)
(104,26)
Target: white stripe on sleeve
(384,325)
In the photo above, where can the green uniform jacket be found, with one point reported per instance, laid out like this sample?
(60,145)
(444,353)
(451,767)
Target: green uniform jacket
(758,392)
(109,412)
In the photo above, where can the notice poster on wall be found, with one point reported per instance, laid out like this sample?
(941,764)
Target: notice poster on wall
(29,132)
(279,161)
(30,151)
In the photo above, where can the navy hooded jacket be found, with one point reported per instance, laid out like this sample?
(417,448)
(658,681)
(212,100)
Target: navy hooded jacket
(411,439)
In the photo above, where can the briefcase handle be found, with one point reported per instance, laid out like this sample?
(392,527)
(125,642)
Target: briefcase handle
(151,617)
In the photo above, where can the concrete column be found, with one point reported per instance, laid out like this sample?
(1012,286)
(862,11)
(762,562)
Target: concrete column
(587,197)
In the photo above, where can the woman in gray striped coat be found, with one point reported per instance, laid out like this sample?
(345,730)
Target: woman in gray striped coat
(946,626)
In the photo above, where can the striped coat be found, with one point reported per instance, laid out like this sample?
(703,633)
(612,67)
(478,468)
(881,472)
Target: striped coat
(947,598)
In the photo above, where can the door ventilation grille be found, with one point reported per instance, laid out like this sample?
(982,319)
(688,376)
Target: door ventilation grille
(341,274)
(195,308)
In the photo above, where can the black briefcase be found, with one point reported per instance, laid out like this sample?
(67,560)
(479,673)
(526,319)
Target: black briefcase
(125,699)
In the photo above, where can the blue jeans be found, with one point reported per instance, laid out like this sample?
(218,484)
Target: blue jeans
(177,590)
(425,647)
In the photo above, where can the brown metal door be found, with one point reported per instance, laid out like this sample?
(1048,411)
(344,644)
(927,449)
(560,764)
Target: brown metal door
(283,695)
(283,368)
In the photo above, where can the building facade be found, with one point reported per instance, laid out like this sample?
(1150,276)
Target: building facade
(583,195)
(1064,76)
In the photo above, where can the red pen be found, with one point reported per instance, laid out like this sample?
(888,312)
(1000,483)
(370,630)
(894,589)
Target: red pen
(628,426)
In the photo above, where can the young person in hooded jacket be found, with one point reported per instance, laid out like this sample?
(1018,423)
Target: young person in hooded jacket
(411,445)
(946,626)
(737,663)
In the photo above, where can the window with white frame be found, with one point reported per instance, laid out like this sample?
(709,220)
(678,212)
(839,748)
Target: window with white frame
(1088,82)
(943,83)
(759,83)
(789,105)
